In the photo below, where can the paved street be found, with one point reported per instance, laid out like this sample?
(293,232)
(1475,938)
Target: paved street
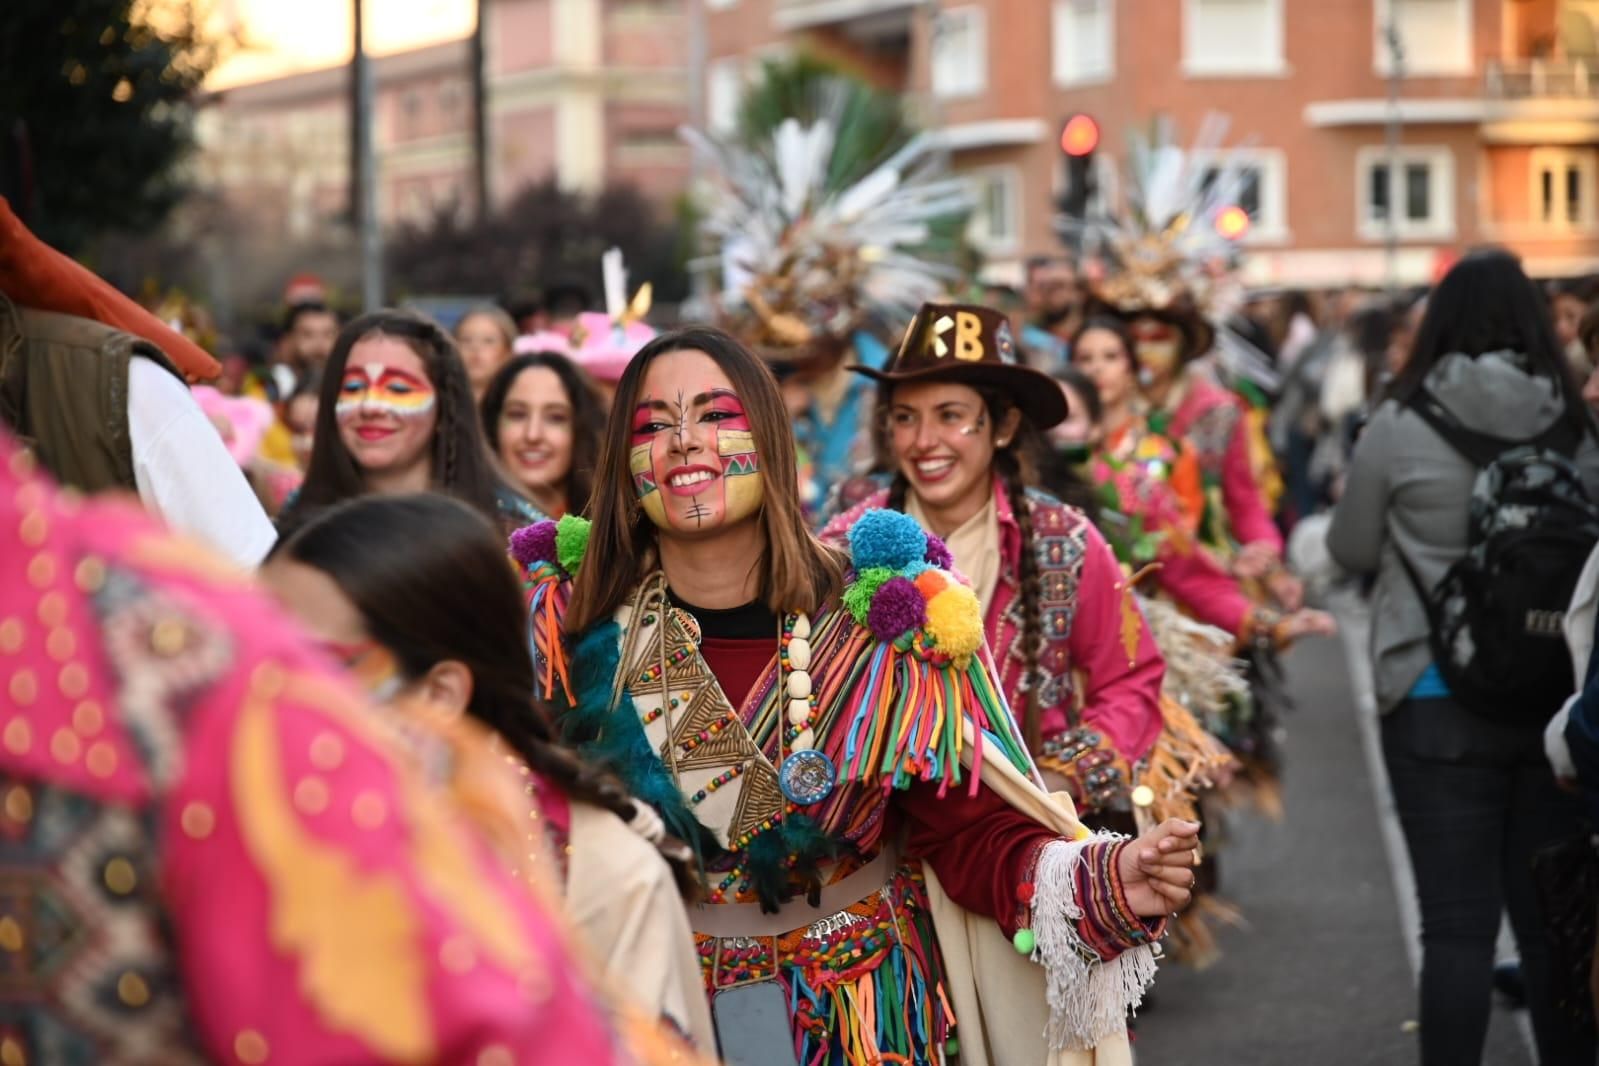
(1322,975)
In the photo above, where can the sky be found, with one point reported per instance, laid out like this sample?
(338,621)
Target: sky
(285,36)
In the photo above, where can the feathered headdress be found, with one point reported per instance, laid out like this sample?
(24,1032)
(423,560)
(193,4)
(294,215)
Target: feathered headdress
(1160,246)
(824,210)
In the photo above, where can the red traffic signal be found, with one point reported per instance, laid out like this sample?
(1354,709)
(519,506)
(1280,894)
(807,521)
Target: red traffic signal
(1080,136)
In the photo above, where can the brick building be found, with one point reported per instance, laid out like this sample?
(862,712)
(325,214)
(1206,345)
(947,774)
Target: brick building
(1498,103)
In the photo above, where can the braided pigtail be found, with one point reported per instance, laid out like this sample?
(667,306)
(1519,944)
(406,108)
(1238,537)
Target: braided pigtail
(1009,468)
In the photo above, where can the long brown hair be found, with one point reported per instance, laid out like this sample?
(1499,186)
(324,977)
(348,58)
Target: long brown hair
(588,417)
(460,466)
(797,572)
(1016,465)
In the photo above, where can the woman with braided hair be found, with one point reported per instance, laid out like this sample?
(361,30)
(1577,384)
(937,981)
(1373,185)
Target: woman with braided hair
(961,420)
(397,415)
(413,594)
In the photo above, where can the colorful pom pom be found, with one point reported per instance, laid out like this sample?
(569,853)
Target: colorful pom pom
(534,544)
(955,622)
(571,541)
(886,538)
(1024,941)
(858,597)
(938,553)
(897,609)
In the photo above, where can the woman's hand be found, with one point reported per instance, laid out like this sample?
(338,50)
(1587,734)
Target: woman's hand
(1305,623)
(1254,561)
(1157,869)
(1286,589)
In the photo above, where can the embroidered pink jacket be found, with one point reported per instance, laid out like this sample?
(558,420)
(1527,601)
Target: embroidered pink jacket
(215,851)
(1213,419)
(1097,647)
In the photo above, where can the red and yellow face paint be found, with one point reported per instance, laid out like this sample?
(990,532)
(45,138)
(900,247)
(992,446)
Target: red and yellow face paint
(694,463)
(378,390)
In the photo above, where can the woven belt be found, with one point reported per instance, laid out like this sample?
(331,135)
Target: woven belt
(745,919)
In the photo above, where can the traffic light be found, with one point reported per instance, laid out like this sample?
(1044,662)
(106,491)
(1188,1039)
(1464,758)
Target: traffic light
(1079,137)
(1232,222)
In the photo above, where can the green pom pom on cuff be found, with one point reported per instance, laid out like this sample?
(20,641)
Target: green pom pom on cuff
(571,541)
(1024,941)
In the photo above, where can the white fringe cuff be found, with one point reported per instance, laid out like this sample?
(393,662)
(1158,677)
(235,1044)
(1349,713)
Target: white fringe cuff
(1088,999)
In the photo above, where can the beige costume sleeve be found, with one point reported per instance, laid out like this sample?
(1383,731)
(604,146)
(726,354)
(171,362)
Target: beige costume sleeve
(621,897)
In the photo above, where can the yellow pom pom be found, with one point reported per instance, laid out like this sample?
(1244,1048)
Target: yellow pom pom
(955,622)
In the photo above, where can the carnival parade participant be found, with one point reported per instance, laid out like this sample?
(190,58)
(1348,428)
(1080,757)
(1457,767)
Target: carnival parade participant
(1076,659)
(215,852)
(484,336)
(413,594)
(544,419)
(790,713)
(395,416)
(1156,484)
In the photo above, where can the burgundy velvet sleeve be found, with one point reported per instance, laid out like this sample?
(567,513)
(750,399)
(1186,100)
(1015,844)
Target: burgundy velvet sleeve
(980,847)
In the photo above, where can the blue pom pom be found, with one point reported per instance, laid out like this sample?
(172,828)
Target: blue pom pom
(886,538)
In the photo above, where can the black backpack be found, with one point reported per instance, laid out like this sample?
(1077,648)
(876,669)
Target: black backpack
(1496,619)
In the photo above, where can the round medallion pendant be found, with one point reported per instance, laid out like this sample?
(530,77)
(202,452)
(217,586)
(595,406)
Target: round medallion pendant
(807,777)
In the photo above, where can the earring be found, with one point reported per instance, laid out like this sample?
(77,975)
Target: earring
(1003,443)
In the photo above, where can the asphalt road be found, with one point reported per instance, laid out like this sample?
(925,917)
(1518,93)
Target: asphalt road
(1323,975)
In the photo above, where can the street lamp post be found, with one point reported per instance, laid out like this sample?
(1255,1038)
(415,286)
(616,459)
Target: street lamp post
(366,174)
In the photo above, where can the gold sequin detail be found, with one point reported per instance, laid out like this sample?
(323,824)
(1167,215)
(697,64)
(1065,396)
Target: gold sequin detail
(327,751)
(33,529)
(89,574)
(66,746)
(251,1047)
(369,810)
(88,718)
(11,634)
(52,608)
(74,681)
(132,990)
(24,688)
(10,934)
(120,877)
(102,760)
(18,737)
(169,637)
(311,796)
(42,570)
(11,1053)
(19,803)
(198,820)
(61,644)
(457,955)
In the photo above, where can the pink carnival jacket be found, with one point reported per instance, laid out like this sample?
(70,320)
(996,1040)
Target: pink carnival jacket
(1188,573)
(1098,650)
(215,851)
(1214,420)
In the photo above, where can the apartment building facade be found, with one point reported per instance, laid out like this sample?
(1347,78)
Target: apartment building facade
(587,91)
(1498,109)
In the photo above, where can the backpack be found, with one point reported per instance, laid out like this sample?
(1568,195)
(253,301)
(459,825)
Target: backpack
(1496,620)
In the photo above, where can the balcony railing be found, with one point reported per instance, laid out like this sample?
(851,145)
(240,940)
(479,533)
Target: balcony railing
(1543,79)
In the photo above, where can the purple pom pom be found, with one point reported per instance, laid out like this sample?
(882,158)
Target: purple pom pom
(938,553)
(534,544)
(897,608)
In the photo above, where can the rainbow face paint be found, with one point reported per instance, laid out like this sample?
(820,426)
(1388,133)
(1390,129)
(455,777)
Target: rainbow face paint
(693,460)
(377,390)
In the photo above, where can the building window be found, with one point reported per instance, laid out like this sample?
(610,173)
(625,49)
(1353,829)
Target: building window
(1085,41)
(1233,37)
(996,224)
(960,52)
(1563,181)
(1258,183)
(1434,35)
(724,85)
(1418,198)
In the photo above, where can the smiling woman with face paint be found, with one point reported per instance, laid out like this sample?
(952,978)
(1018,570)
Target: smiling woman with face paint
(795,715)
(1079,666)
(396,415)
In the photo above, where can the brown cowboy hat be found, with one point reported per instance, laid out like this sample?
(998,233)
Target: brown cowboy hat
(974,346)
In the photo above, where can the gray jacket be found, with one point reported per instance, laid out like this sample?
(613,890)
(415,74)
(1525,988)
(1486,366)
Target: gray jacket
(1407,488)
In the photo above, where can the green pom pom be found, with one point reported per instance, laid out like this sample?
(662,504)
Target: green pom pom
(952,1047)
(1024,941)
(571,541)
(858,597)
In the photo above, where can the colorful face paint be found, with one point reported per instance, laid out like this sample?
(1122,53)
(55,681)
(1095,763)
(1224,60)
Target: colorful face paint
(1159,348)
(693,461)
(376,389)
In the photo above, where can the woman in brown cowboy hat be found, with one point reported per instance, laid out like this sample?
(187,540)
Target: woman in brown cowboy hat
(960,419)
